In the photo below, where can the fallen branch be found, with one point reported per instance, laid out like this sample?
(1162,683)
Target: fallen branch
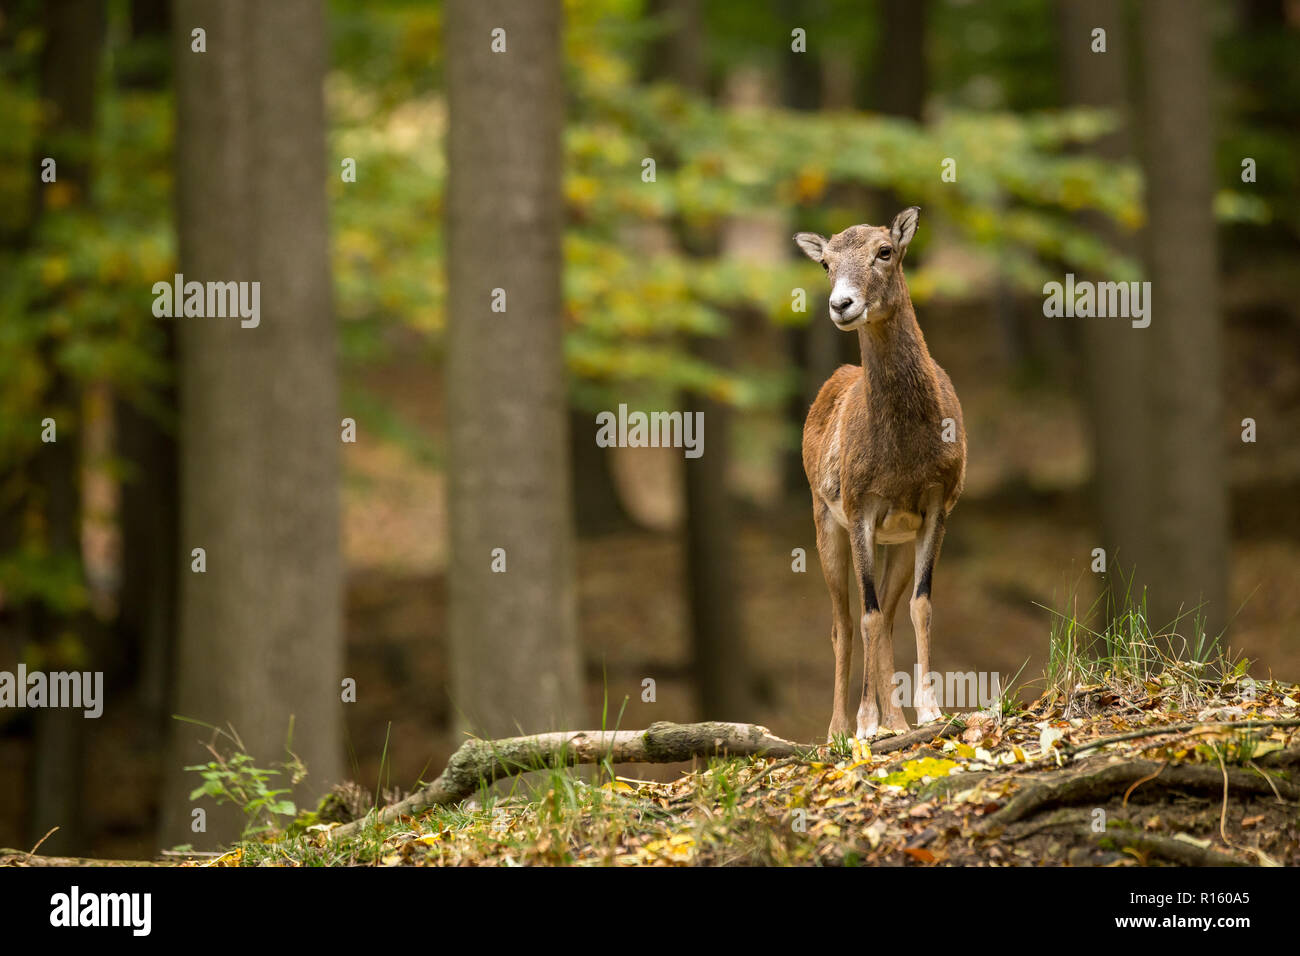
(11,857)
(935,730)
(1175,729)
(1097,783)
(481,762)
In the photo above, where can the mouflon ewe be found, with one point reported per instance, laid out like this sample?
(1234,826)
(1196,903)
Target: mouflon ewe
(885,454)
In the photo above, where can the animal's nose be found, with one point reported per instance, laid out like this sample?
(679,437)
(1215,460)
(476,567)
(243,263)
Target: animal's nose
(842,305)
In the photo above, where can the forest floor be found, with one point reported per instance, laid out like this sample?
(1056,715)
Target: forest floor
(1169,770)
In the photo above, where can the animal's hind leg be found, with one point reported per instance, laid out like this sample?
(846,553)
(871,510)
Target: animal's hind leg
(862,540)
(837,561)
(928,544)
(895,576)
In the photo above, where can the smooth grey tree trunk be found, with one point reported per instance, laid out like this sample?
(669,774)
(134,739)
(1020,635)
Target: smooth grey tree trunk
(515,661)
(260,639)
(1189,491)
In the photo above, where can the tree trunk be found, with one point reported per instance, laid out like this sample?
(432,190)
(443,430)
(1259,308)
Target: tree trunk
(814,348)
(598,508)
(146,620)
(718,651)
(145,62)
(147,519)
(260,642)
(1114,353)
(513,641)
(74,37)
(1189,494)
(895,87)
(898,82)
(719,656)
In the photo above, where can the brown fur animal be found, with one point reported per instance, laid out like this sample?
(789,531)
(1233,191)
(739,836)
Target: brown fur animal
(885,453)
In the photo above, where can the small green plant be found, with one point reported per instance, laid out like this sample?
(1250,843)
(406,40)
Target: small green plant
(842,745)
(233,778)
(1123,651)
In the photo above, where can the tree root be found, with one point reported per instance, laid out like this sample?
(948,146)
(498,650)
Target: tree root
(1100,783)
(1168,848)
(481,762)
(1177,729)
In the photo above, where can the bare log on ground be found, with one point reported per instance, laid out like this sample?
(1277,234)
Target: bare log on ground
(1094,783)
(11,857)
(480,762)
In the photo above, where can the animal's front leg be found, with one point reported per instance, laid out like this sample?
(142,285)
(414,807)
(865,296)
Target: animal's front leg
(927,555)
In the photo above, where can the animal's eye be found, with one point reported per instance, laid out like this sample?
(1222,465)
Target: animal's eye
(884,252)
(826,265)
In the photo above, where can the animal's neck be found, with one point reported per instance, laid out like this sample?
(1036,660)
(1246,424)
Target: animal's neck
(898,368)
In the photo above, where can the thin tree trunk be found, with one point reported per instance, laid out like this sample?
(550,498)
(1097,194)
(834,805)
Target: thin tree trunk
(260,642)
(895,86)
(69,66)
(899,80)
(148,511)
(1114,353)
(513,631)
(720,661)
(598,508)
(814,348)
(1189,499)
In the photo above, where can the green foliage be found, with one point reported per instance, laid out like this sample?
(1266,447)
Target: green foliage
(78,287)
(76,269)
(632,297)
(232,778)
(235,780)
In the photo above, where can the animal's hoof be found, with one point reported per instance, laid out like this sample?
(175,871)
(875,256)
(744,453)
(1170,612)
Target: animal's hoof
(928,715)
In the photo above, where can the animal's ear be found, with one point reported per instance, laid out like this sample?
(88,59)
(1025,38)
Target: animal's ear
(904,228)
(813,245)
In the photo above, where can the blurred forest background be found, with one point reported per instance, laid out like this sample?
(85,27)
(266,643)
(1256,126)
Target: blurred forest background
(327,559)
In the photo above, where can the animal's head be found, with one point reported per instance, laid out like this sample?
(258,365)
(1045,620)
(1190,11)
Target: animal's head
(865,265)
